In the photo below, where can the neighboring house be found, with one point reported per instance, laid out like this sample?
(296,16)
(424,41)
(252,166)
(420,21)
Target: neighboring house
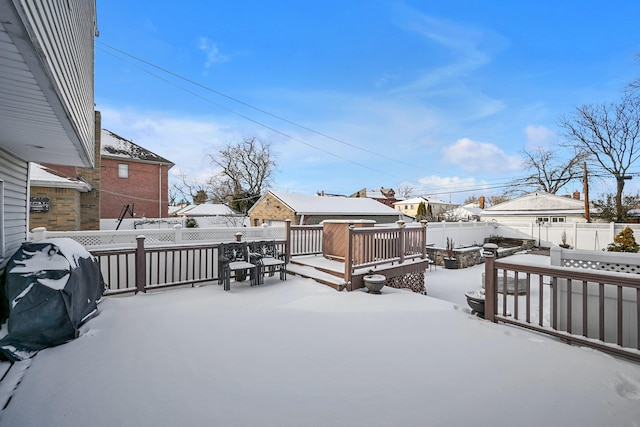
(468,212)
(385,196)
(275,207)
(132,176)
(47,102)
(55,199)
(410,206)
(538,207)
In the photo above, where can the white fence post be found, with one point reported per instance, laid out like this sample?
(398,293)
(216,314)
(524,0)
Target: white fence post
(39,233)
(177,233)
(612,231)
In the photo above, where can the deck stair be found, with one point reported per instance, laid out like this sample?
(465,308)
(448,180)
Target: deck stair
(318,268)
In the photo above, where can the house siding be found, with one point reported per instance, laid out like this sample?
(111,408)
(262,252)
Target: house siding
(65,32)
(14,177)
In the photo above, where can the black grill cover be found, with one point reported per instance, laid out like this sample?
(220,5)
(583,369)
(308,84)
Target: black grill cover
(53,286)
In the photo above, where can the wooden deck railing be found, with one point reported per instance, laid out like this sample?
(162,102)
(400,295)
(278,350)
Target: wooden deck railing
(573,304)
(144,268)
(304,239)
(369,247)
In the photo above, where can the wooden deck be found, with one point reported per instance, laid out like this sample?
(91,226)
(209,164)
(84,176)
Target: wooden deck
(332,273)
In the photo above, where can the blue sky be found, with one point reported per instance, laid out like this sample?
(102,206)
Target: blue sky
(440,96)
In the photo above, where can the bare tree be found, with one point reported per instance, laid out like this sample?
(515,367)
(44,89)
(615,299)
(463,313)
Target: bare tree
(549,173)
(246,170)
(471,199)
(405,191)
(190,188)
(494,200)
(610,134)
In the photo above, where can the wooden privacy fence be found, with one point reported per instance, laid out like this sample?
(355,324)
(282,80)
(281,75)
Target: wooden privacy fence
(593,308)
(145,268)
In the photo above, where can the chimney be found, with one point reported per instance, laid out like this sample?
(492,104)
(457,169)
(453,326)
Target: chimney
(576,195)
(481,202)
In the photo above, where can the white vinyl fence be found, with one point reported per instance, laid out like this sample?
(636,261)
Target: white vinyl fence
(586,236)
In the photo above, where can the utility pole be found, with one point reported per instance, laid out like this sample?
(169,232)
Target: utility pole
(585,184)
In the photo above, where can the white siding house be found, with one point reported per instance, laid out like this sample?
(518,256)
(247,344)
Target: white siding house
(537,207)
(46,106)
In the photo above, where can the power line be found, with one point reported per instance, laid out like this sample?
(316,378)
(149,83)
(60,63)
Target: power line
(306,128)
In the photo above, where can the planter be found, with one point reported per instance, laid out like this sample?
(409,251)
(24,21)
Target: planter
(475,299)
(374,283)
(450,263)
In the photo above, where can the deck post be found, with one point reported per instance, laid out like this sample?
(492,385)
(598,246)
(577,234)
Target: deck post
(287,240)
(348,260)
(424,238)
(490,296)
(401,241)
(141,265)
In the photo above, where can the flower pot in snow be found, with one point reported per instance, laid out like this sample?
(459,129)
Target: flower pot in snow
(450,263)
(374,282)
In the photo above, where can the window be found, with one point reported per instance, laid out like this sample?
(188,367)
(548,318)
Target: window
(123,170)
(557,219)
(542,219)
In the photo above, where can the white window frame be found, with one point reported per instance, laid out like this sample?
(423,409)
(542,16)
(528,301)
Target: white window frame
(123,170)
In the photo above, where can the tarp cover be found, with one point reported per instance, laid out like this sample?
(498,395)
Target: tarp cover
(53,286)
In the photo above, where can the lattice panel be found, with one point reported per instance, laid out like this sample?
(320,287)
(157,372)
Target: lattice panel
(413,281)
(604,266)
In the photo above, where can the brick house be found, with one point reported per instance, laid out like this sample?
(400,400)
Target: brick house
(133,176)
(386,196)
(274,208)
(55,201)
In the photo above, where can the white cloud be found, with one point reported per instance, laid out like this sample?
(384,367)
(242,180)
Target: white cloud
(539,136)
(214,56)
(187,142)
(473,156)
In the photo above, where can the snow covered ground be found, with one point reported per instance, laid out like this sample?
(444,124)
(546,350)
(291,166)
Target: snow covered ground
(297,353)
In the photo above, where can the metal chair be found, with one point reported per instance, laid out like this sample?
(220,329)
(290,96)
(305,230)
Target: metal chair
(264,254)
(234,257)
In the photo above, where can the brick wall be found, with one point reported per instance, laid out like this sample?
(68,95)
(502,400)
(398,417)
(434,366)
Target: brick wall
(90,201)
(146,184)
(64,209)
(270,208)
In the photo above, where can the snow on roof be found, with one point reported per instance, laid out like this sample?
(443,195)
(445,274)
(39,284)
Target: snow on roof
(417,200)
(537,202)
(41,176)
(116,146)
(304,204)
(207,209)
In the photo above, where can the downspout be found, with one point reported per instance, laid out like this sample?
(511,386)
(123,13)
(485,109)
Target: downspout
(159,193)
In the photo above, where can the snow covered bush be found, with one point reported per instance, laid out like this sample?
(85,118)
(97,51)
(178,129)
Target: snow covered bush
(623,242)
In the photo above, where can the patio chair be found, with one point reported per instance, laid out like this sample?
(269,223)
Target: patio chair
(234,257)
(264,254)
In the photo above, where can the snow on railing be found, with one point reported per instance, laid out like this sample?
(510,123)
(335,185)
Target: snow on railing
(589,306)
(175,235)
